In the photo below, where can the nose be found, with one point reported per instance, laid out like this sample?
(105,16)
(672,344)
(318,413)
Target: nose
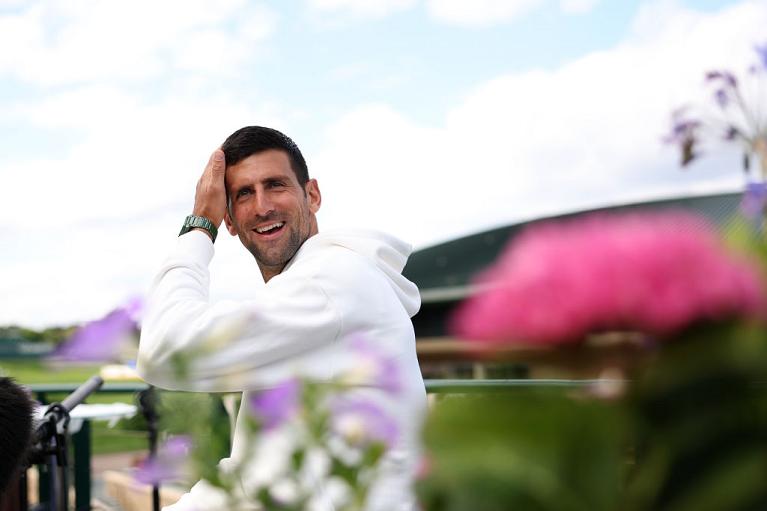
(263,205)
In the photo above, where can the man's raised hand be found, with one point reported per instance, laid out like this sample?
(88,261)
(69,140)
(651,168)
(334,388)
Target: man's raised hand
(210,197)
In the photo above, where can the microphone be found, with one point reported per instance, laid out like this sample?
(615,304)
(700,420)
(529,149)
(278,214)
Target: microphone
(59,412)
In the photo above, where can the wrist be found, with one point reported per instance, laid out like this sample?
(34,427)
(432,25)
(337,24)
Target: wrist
(199,223)
(213,216)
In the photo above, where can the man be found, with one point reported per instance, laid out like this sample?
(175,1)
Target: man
(322,291)
(15,430)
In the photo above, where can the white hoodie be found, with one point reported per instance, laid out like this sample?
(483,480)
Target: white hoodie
(338,286)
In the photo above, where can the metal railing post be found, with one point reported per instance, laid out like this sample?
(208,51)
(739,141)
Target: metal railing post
(81,443)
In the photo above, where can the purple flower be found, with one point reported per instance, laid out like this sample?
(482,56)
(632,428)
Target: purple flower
(168,464)
(361,422)
(373,366)
(731,133)
(754,200)
(724,76)
(684,133)
(274,406)
(761,51)
(722,98)
(101,340)
(682,127)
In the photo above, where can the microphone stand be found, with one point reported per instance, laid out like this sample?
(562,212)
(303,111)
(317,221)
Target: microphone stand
(49,442)
(147,400)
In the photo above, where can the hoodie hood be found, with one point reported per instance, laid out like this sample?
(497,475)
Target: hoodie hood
(389,254)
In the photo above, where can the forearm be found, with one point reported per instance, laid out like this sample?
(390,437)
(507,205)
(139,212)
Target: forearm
(188,343)
(178,296)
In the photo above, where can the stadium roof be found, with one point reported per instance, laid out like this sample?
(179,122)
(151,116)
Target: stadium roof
(444,271)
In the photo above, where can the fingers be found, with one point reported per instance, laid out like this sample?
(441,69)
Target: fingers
(210,196)
(216,164)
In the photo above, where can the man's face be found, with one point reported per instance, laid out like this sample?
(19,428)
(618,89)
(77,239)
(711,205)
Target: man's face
(269,211)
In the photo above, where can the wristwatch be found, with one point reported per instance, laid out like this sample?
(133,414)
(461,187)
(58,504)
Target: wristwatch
(193,222)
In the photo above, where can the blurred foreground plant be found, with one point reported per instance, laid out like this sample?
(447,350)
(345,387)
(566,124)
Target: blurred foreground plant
(687,430)
(316,441)
(307,441)
(524,450)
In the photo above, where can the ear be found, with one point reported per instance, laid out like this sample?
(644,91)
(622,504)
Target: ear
(229,224)
(313,196)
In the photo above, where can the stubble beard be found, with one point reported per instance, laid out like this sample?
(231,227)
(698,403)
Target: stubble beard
(275,258)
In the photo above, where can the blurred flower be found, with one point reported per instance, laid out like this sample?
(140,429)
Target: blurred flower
(722,98)
(360,422)
(731,133)
(739,117)
(373,367)
(102,340)
(274,406)
(684,134)
(754,200)
(285,491)
(168,464)
(724,77)
(761,51)
(651,273)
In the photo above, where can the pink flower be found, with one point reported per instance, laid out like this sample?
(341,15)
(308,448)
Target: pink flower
(652,273)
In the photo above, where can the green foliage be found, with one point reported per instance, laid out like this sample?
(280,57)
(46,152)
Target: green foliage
(202,416)
(526,450)
(689,434)
(701,416)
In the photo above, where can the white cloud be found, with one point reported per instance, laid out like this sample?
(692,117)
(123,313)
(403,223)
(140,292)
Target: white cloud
(131,156)
(540,142)
(478,13)
(62,42)
(361,8)
(577,6)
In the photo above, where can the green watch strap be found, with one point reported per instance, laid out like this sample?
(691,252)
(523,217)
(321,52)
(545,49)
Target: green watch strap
(193,222)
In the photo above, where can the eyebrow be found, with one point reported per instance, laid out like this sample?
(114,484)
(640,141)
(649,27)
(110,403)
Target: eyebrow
(243,187)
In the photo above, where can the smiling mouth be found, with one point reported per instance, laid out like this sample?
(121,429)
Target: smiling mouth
(270,229)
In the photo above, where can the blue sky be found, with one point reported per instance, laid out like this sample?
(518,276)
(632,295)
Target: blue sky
(426,118)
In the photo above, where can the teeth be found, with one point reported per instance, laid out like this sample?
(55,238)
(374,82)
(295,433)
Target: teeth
(262,230)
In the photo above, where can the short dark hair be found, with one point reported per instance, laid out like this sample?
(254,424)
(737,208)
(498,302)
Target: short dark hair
(15,429)
(251,140)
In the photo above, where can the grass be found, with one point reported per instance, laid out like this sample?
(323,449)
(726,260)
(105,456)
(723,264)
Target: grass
(30,371)
(108,440)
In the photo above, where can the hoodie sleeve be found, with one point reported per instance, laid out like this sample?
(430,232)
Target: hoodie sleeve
(189,344)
